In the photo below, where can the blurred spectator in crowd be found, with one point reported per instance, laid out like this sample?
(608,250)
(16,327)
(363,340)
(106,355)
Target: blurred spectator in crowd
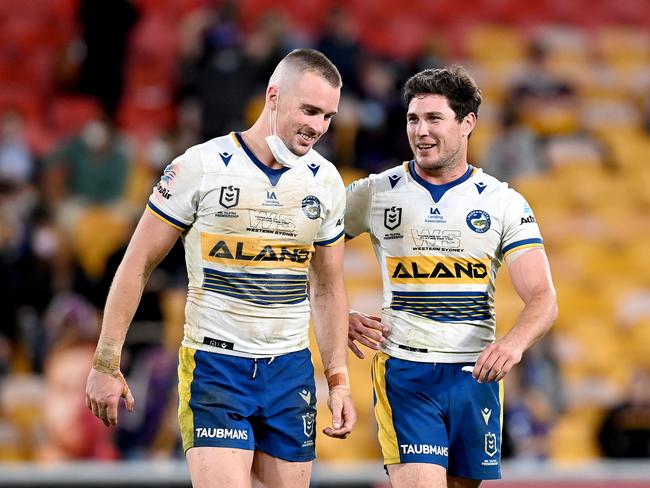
(381,116)
(222,68)
(528,418)
(20,246)
(625,431)
(433,54)
(544,101)
(16,160)
(70,430)
(514,151)
(32,277)
(91,168)
(534,400)
(339,41)
(105,29)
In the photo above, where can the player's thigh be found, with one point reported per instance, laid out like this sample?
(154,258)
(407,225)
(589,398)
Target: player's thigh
(212,467)
(454,482)
(270,472)
(417,475)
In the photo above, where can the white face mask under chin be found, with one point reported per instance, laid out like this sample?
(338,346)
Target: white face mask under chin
(279,149)
(283,154)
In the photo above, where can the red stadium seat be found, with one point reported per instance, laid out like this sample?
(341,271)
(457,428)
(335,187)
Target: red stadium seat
(68,114)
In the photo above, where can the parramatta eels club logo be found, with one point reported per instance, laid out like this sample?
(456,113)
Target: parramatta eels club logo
(311,207)
(479,221)
(229,196)
(392,217)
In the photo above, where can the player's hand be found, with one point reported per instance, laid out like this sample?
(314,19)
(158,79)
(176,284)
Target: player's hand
(366,329)
(343,414)
(103,393)
(496,361)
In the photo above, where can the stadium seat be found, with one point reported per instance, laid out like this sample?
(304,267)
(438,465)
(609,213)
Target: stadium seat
(97,233)
(494,44)
(68,114)
(621,45)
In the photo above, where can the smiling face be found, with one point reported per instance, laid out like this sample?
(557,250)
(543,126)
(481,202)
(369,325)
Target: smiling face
(304,109)
(438,140)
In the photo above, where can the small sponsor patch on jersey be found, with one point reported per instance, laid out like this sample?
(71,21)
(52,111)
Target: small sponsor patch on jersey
(209,341)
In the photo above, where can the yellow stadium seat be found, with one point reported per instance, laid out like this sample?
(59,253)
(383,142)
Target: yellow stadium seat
(494,44)
(97,233)
(573,438)
(624,45)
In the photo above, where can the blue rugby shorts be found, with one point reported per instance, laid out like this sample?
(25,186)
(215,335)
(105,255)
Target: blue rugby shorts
(266,404)
(438,413)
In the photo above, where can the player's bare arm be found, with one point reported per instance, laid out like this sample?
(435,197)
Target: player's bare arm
(151,242)
(531,277)
(329,307)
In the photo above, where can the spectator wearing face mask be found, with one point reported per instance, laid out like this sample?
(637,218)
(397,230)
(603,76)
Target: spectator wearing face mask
(90,170)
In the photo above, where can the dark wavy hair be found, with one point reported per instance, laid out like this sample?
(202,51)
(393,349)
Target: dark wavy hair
(454,83)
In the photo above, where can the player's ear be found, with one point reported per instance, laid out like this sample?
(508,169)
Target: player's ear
(468,124)
(272,95)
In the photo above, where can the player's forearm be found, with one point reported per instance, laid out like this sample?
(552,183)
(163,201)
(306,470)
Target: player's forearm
(121,304)
(330,318)
(534,321)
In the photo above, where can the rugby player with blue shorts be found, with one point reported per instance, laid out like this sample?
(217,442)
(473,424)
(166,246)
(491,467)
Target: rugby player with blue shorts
(260,214)
(440,229)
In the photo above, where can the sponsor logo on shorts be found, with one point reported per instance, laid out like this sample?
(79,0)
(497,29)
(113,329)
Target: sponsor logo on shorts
(486,413)
(306,396)
(424,449)
(219,433)
(490,444)
(308,423)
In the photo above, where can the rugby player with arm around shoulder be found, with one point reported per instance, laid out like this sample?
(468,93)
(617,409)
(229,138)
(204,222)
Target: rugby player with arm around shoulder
(441,229)
(261,215)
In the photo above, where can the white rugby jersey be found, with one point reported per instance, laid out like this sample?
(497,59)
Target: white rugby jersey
(249,232)
(439,248)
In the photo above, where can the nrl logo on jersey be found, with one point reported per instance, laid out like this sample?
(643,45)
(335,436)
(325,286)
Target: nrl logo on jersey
(392,217)
(229,196)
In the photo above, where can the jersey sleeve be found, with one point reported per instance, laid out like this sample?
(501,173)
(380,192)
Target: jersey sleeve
(331,231)
(357,206)
(175,197)
(521,231)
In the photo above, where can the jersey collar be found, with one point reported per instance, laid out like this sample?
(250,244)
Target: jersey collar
(272,174)
(437,191)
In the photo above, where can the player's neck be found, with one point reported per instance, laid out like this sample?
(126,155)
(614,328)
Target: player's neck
(441,176)
(255,140)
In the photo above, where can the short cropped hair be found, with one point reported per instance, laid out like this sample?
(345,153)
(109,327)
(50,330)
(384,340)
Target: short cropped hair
(303,60)
(454,83)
